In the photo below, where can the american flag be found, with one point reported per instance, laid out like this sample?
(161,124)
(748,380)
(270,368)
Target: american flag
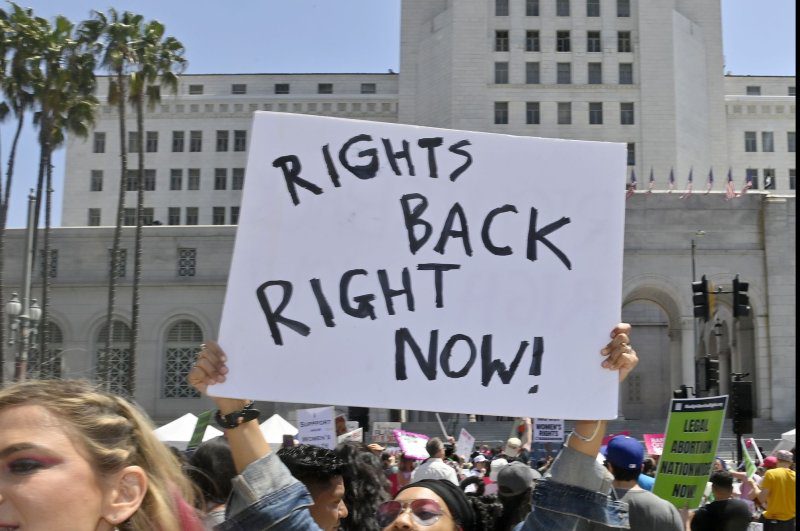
(688,191)
(632,185)
(730,187)
(652,182)
(671,181)
(748,183)
(710,182)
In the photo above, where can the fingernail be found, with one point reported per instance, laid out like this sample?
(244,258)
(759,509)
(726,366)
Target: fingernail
(223,358)
(604,351)
(605,364)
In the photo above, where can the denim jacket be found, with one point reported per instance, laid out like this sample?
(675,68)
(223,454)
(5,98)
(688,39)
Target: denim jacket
(576,495)
(266,496)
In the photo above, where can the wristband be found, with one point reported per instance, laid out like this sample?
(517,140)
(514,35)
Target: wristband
(236,418)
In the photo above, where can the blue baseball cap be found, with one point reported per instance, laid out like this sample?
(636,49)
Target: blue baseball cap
(625,452)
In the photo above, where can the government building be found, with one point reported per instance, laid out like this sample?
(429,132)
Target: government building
(650,75)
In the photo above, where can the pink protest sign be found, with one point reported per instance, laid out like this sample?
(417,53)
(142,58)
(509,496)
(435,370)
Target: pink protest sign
(412,444)
(654,442)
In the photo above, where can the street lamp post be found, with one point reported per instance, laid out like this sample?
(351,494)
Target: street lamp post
(24,314)
(697,234)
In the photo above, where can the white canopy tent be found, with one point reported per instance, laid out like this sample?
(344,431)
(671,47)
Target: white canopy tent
(789,435)
(178,432)
(275,427)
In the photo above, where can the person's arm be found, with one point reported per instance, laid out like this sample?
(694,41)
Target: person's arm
(588,434)
(758,493)
(527,435)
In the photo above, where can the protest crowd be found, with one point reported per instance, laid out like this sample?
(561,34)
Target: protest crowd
(73,457)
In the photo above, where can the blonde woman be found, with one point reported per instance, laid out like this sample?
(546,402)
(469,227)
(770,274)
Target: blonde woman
(72,457)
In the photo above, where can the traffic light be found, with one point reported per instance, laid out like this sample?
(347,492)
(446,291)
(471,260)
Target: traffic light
(700,299)
(741,301)
(700,374)
(742,407)
(712,373)
(682,392)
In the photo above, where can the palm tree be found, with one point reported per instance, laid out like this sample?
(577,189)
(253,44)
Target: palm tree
(63,89)
(157,60)
(114,38)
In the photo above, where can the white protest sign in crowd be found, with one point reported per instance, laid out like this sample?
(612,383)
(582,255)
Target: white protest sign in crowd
(316,427)
(412,444)
(383,265)
(548,430)
(382,432)
(465,444)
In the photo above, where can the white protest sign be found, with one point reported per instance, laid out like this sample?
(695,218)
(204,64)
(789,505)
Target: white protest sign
(378,265)
(316,427)
(465,444)
(357,435)
(548,430)
(412,444)
(382,431)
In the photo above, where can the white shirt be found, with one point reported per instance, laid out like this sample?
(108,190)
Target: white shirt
(434,468)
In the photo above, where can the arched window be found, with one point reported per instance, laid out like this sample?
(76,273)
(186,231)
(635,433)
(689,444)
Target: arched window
(49,365)
(118,360)
(182,346)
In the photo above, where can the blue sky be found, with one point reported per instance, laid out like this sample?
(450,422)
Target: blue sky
(347,36)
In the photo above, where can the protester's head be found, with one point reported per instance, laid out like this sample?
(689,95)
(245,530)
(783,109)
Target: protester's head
(407,464)
(320,470)
(437,505)
(376,449)
(365,487)
(435,447)
(515,482)
(784,458)
(479,463)
(495,466)
(625,455)
(721,484)
(211,468)
(513,447)
(719,464)
(84,459)
(770,462)
(649,466)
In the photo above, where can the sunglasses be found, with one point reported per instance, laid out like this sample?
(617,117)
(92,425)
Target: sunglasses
(424,512)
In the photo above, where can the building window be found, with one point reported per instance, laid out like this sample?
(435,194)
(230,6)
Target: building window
(132,181)
(791,141)
(222,140)
(234,215)
(501,8)
(562,41)
(626,113)
(180,353)
(149,180)
(220,179)
(177,141)
(325,88)
(631,154)
(562,8)
(750,141)
(174,216)
(501,73)
(119,267)
(596,113)
(99,142)
(117,361)
(133,142)
(532,41)
(592,8)
(281,88)
(96,181)
(532,73)
(195,141)
(192,215)
(751,176)
(593,43)
(237,178)
(791,91)
(564,73)
(532,114)
(151,142)
(531,8)
(48,366)
(238,88)
(147,216)
(753,91)
(626,73)
(129,217)
(175,179)
(769,179)
(195,90)
(564,112)
(240,140)
(624,42)
(767,141)
(623,8)
(595,73)
(94,217)
(501,41)
(187,260)
(218,215)
(369,88)
(792,179)
(501,112)
(50,266)
(193,179)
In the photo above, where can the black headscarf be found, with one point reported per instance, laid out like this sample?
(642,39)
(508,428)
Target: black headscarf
(455,499)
